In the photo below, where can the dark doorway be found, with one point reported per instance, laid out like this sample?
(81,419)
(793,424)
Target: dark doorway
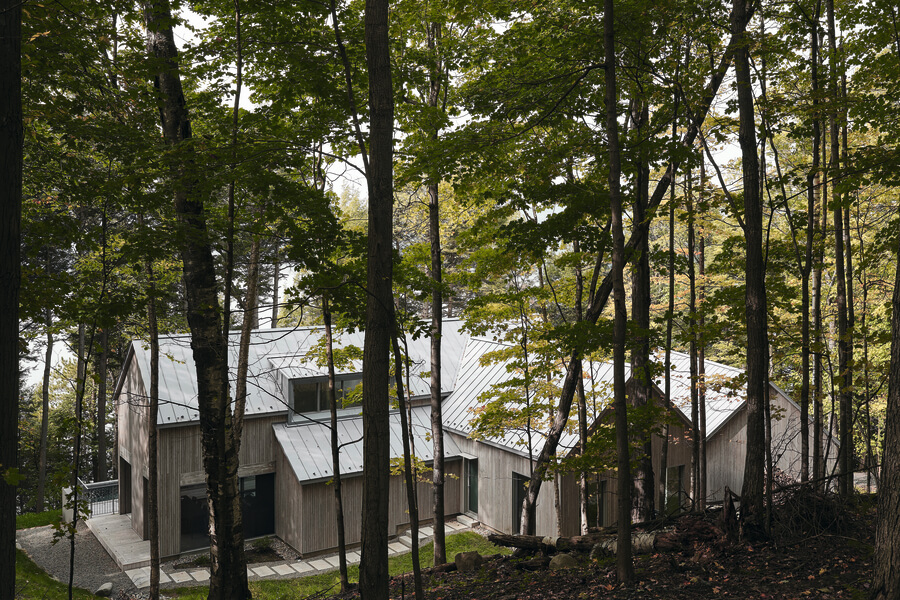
(472,486)
(146,534)
(124,486)
(520,487)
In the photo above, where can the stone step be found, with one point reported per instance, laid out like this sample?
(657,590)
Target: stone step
(468,521)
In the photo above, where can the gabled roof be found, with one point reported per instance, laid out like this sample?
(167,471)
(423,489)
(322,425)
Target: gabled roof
(276,356)
(725,393)
(307,447)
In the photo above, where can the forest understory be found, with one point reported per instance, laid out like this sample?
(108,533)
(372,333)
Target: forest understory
(818,549)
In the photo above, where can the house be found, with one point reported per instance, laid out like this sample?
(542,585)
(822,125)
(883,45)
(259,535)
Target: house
(285,462)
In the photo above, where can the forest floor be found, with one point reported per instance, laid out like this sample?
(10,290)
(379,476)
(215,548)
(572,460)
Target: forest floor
(817,550)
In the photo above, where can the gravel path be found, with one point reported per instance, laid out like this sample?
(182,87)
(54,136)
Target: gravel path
(93,566)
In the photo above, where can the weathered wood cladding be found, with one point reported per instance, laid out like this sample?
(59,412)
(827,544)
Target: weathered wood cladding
(495,487)
(133,441)
(289,503)
(680,445)
(727,449)
(181,463)
(316,530)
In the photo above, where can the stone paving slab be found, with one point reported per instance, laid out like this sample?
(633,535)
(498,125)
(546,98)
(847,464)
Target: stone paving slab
(454,525)
(181,577)
(140,577)
(284,570)
(263,571)
(353,557)
(334,561)
(320,565)
(302,567)
(397,548)
(201,575)
(425,532)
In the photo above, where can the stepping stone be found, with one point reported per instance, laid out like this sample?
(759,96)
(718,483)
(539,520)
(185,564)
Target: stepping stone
(163,578)
(454,525)
(397,548)
(263,571)
(426,532)
(353,557)
(302,567)
(320,565)
(140,577)
(284,570)
(202,575)
(406,540)
(181,577)
(334,561)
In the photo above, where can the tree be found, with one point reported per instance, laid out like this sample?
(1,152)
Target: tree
(755,299)
(373,575)
(228,572)
(11,140)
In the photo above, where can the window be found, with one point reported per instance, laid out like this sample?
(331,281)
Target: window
(257,503)
(675,492)
(311,395)
(520,488)
(472,486)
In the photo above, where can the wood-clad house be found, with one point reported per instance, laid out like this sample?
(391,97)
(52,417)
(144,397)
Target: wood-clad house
(285,461)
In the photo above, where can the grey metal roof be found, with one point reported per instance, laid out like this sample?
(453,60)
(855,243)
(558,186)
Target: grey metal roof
(726,392)
(276,356)
(307,446)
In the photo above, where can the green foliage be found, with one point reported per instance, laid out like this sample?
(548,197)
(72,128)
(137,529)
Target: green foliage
(33,582)
(28,520)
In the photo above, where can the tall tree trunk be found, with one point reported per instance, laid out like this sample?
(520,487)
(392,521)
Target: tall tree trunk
(701,359)
(887,532)
(152,437)
(811,180)
(335,449)
(81,374)
(275,277)
(850,385)
(373,571)
(755,302)
(692,348)
(228,572)
(643,502)
(11,133)
(624,565)
(818,396)
(45,415)
(845,451)
(437,420)
(582,400)
(411,502)
(670,318)
(100,468)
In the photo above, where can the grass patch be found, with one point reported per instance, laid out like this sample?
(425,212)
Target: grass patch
(33,582)
(28,520)
(306,586)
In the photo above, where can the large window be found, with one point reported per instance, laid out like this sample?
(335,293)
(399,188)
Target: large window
(257,504)
(311,395)
(472,486)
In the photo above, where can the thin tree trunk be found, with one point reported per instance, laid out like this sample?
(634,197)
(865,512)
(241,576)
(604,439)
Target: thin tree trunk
(643,502)
(845,385)
(692,350)
(81,371)
(228,572)
(437,420)
(152,437)
(275,277)
(624,565)
(701,357)
(335,449)
(670,318)
(45,415)
(373,571)
(11,137)
(755,302)
(100,469)
(811,180)
(412,505)
(582,400)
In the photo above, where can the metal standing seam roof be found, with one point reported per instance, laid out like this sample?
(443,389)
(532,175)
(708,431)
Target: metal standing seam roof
(277,355)
(307,447)
(723,397)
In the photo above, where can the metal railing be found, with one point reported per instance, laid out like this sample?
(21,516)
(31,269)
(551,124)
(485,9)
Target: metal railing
(102,496)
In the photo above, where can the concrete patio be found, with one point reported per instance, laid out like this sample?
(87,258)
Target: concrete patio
(132,554)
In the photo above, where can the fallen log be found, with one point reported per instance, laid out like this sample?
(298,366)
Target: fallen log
(582,543)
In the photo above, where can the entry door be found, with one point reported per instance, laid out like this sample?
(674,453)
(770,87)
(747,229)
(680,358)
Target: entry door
(124,487)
